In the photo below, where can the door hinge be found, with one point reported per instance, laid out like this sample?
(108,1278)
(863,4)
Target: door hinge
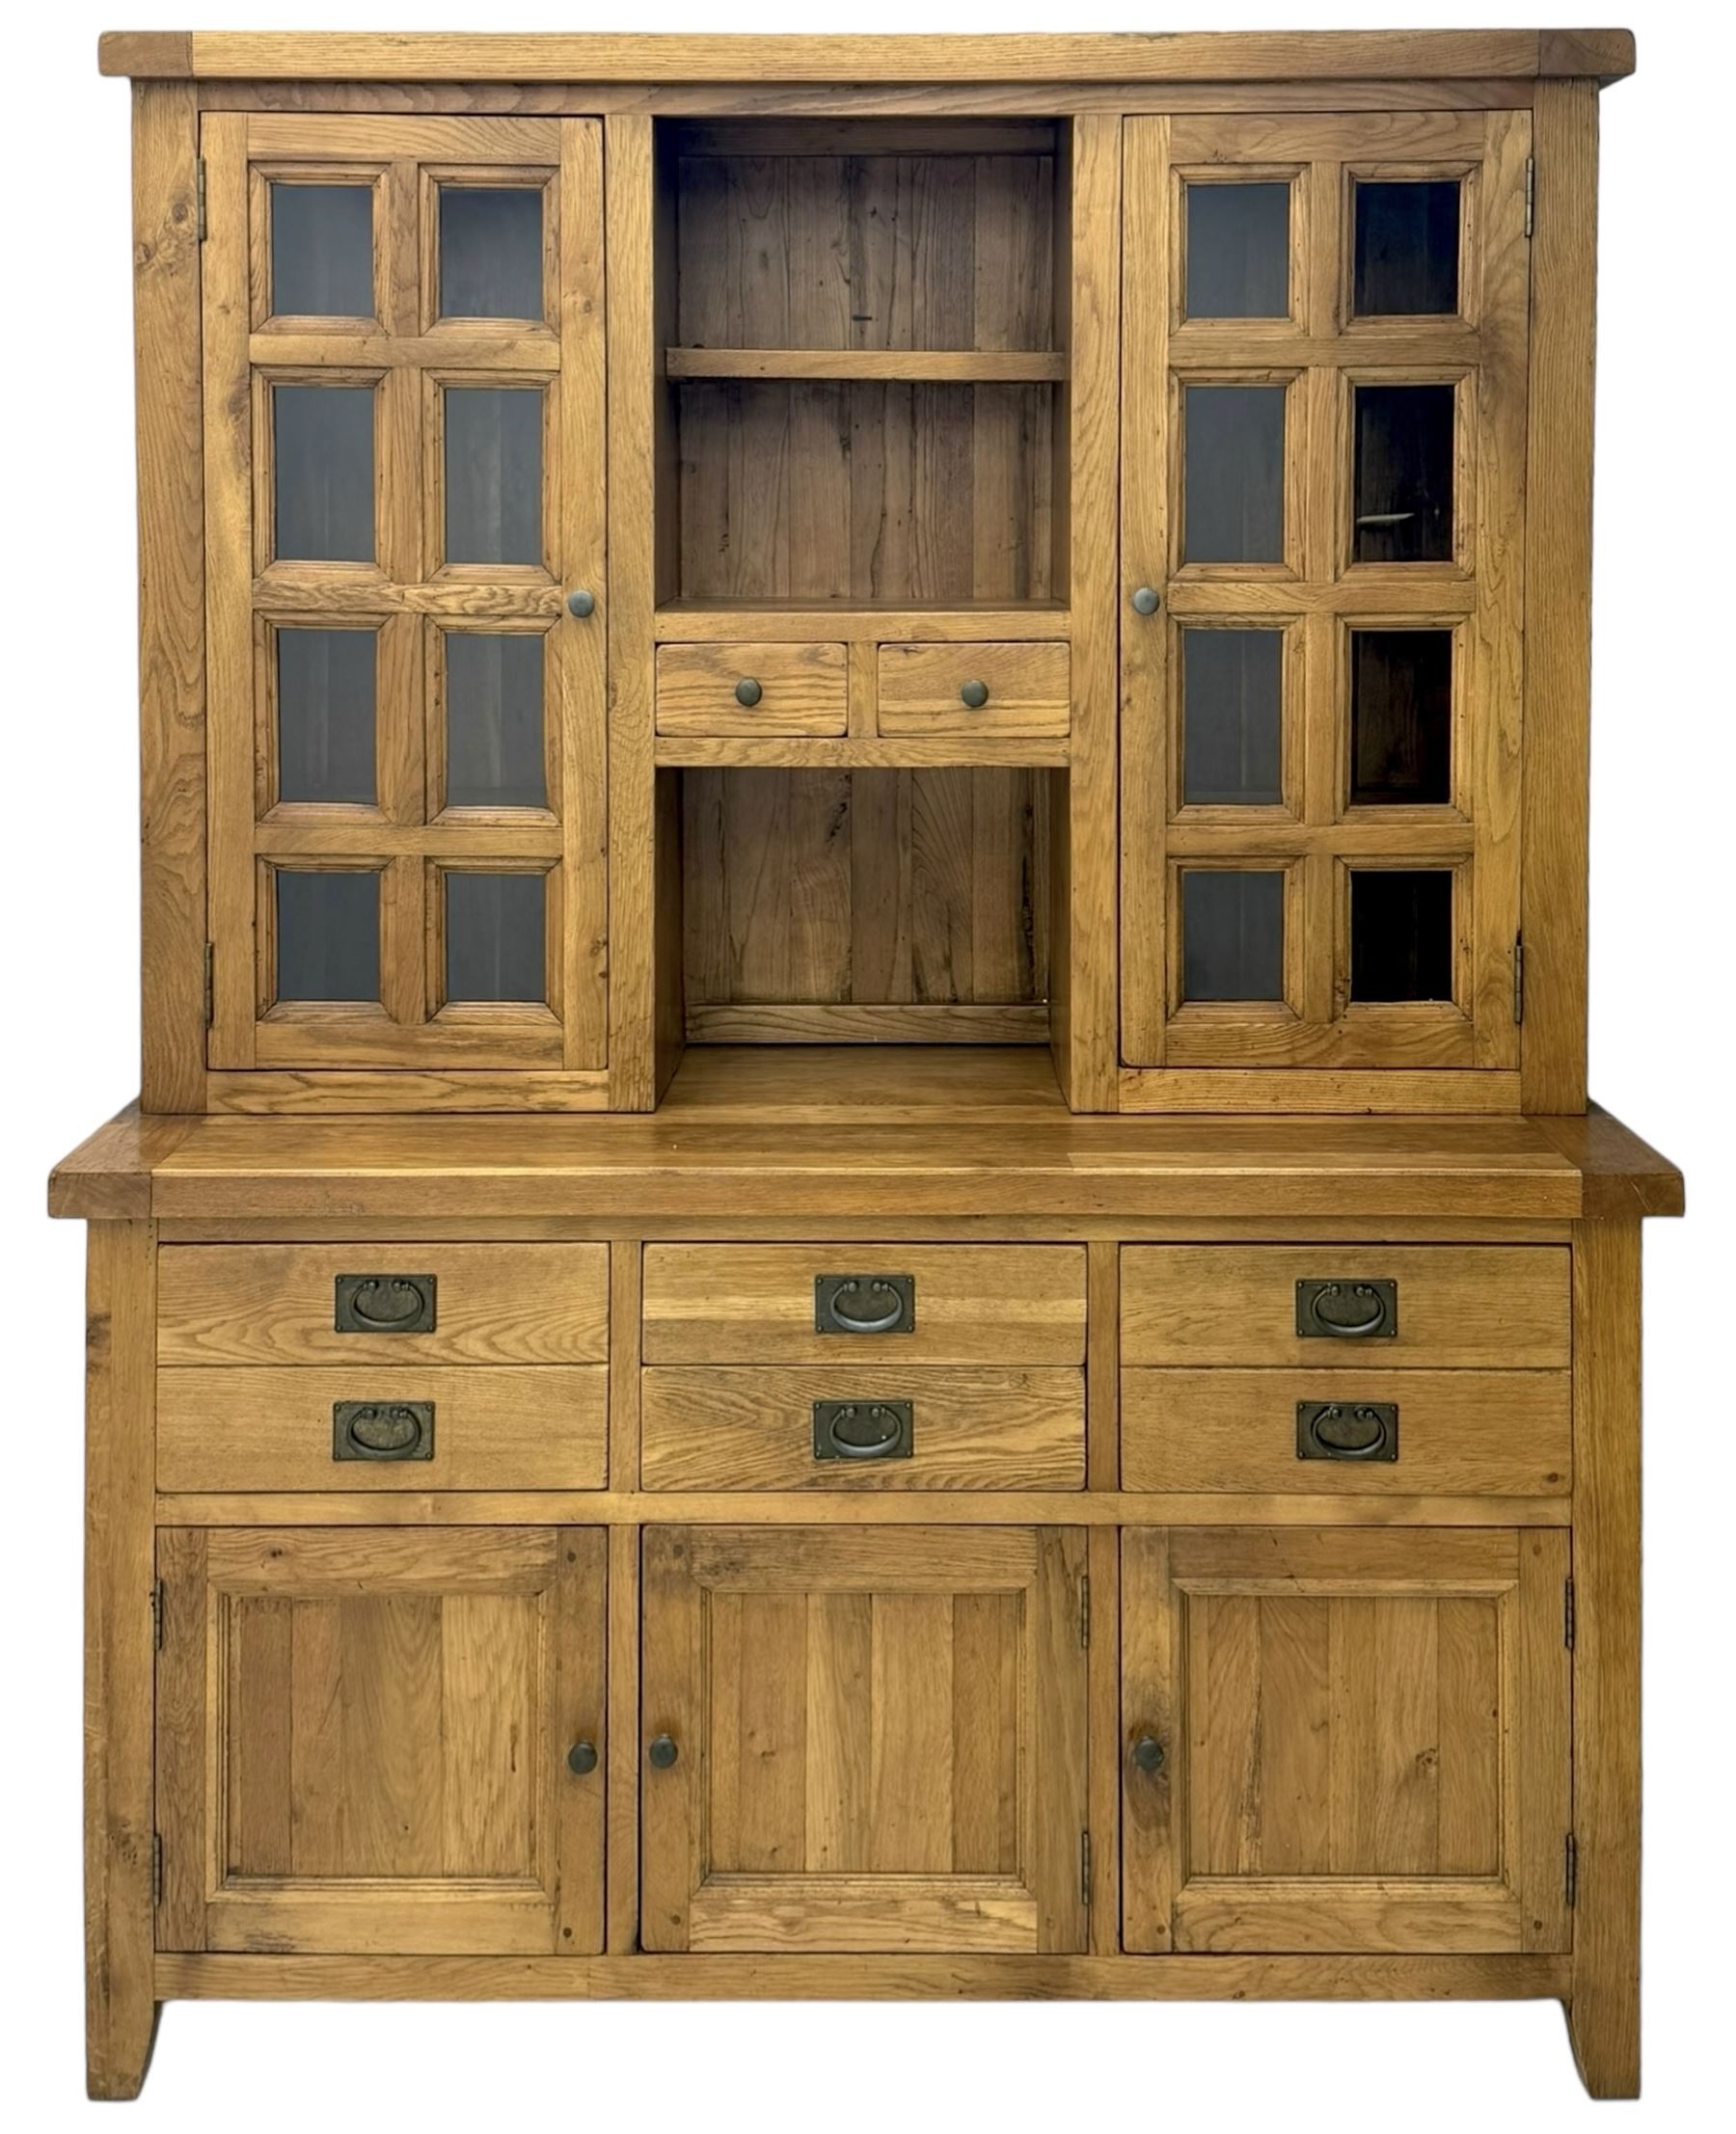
(199,195)
(1531,193)
(156,1616)
(1568,1617)
(1570,1869)
(210,983)
(1518,979)
(1085,1869)
(157,1868)
(1085,1611)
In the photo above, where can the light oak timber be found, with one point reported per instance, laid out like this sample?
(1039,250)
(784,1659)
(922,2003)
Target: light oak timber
(321,1093)
(906,751)
(1153,57)
(834,1978)
(797,622)
(997,1230)
(921,366)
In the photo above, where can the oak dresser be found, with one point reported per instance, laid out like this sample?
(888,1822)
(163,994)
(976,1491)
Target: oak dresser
(863,1255)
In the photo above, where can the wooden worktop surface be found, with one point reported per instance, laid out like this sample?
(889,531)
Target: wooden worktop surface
(811,1134)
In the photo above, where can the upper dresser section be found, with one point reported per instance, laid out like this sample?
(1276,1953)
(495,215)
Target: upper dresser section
(662,543)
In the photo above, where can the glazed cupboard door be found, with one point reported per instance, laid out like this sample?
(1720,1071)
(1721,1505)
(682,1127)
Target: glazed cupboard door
(381,1743)
(864,1739)
(1344,1741)
(404,510)
(1325,350)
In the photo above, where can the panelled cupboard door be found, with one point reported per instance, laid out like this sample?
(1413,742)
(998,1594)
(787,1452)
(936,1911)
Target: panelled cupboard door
(1322,513)
(370,1741)
(864,1739)
(1341,1741)
(404,335)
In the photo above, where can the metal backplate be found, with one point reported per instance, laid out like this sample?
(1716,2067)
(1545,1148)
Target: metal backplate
(1347,1430)
(864,1429)
(864,1304)
(1334,1308)
(382,1430)
(384,1304)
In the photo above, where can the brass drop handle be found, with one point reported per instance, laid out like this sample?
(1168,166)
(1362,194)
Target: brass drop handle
(1145,600)
(382,1430)
(1347,1310)
(662,1751)
(581,603)
(974,695)
(748,692)
(1148,1753)
(864,1429)
(872,1320)
(582,1758)
(384,1304)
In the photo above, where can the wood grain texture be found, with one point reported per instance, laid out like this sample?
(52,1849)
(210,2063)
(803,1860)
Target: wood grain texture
(974,1427)
(272,1304)
(920,690)
(119,1801)
(1476,1307)
(974,1304)
(272,1428)
(801,688)
(1604,2002)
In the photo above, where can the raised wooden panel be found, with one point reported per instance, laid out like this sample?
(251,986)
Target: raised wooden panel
(363,1741)
(756,1304)
(1363,1735)
(972,1428)
(1459,1433)
(273,1429)
(1462,1306)
(880,1739)
(277,1304)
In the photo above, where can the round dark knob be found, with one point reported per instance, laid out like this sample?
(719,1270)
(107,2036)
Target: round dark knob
(975,694)
(582,1757)
(1148,1752)
(748,692)
(579,603)
(662,1751)
(1145,600)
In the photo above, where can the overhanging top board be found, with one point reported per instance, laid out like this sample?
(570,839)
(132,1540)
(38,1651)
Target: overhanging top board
(1145,56)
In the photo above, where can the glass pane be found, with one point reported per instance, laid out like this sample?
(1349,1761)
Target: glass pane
(324,445)
(325,714)
(491,252)
(494,937)
(1401,934)
(1232,475)
(327,935)
(1400,717)
(1407,248)
(322,251)
(1231,935)
(494,474)
(493,720)
(1403,475)
(1237,252)
(1231,694)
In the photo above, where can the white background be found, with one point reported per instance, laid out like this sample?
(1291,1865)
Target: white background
(1663,983)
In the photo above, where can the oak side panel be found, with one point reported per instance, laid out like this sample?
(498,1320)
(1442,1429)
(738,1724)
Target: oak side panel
(1604,2004)
(170,484)
(120,1420)
(1557,597)
(621,1866)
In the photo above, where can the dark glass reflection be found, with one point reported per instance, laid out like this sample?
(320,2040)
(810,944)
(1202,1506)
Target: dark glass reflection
(1403,475)
(1400,717)
(1232,935)
(1401,934)
(1232,690)
(1407,248)
(327,935)
(1232,475)
(1237,252)
(494,937)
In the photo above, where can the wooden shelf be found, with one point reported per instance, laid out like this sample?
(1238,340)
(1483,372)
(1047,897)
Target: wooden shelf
(963,367)
(904,752)
(805,621)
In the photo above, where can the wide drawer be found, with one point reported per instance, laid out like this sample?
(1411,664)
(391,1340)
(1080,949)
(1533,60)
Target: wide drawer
(816,1304)
(371,1429)
(867,1426)
(394,1304)
(1381,1433)
(974,689)
(751,689)
(1338,1307)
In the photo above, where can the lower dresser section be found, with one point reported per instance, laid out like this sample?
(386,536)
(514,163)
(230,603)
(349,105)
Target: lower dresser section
(511,1604)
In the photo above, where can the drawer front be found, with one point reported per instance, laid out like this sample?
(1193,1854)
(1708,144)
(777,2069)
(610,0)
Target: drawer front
(1327,1307)
(283,1304)
(933,688)
(319,1429)
(750,689)
(1454,1433)
(910,1303)
(862,1427)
